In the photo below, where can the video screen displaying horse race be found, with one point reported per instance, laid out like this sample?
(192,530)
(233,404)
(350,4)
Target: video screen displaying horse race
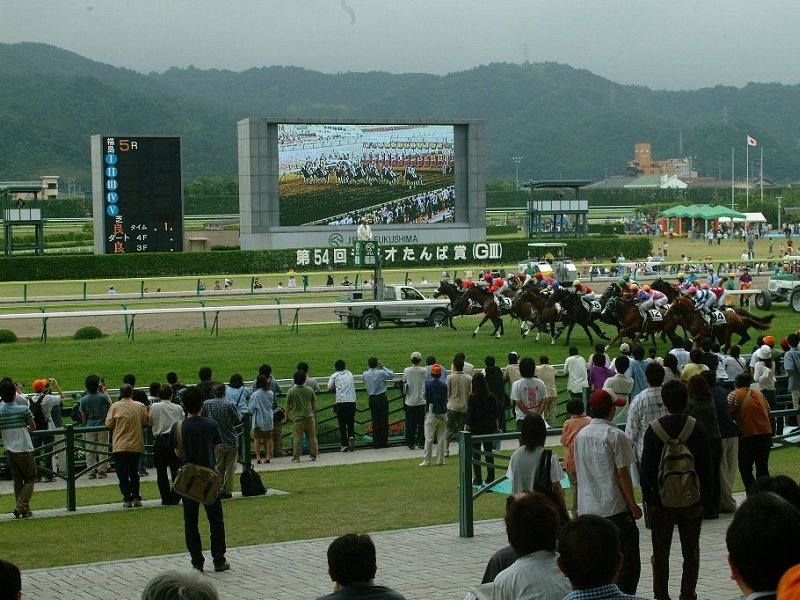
(390,174)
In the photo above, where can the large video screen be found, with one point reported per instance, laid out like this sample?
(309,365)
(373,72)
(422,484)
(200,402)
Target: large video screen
(390,174)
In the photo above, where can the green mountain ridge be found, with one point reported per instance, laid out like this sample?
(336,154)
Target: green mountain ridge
(565,122)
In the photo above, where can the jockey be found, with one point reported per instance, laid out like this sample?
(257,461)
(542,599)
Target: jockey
(583,291)
(683,284)
(497,285)
(720,292)
(543,281)
(463,286)
(522,279)
(659,298)
(704,299)
(640,297)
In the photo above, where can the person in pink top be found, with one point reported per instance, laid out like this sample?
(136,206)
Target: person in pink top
(577,421)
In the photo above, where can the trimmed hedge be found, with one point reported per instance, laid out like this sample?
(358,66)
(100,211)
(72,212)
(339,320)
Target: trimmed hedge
(166,264)
(7,336)
(90,332)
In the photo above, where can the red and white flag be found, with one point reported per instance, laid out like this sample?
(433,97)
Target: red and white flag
(751,141)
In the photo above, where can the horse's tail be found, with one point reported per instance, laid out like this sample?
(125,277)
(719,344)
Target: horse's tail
(756,323)
(744,313)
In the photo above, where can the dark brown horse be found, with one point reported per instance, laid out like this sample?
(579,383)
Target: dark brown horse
(534,311)
(492,312)
(576,313)
(736,322)
(632,324)
(454,294)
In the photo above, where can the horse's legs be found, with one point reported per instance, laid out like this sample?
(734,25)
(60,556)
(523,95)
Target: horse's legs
(597,330)
(478,328)
(588,333)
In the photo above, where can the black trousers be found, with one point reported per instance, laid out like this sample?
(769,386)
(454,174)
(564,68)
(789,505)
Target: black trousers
(628,579)
(346,415)
(167,465)
(487,458)
(379,412)
(688,521)
(415,425)
(754,451)
(216,525)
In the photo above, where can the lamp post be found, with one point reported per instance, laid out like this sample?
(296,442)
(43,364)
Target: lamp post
(780,222)
(517,160)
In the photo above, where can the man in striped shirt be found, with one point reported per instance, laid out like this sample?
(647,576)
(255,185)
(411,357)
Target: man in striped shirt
(16,424)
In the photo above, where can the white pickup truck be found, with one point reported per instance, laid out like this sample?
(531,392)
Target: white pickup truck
(399,304)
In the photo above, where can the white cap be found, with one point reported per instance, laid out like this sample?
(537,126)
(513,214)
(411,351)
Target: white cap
(624,348)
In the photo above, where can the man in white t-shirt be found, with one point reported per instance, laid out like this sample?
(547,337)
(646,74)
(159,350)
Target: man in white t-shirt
(575,370)
(528,392)
(414,379)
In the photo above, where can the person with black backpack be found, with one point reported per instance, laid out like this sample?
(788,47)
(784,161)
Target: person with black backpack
(46,408)
(675,478)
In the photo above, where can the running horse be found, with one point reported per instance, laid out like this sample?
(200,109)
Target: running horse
(631,322)
(534,310)
(454,295)
(492,312)
(576,313)
(736,322)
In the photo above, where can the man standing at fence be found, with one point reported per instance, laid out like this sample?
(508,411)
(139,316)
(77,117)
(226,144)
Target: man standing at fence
(127,418)
(200,440)
(94,408)
(342,382)
(227,417)
(301,411)
(375,381)
(414,379)
(163,415)
(16,424)
(459,386)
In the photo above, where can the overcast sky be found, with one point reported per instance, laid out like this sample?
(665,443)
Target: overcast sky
(682,44)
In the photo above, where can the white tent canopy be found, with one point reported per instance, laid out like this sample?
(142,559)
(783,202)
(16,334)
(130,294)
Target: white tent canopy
(749,218)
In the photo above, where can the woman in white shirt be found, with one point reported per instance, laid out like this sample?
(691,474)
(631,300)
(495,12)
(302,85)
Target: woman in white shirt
(764,381)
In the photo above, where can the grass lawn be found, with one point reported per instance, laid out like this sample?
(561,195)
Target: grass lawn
(326,501)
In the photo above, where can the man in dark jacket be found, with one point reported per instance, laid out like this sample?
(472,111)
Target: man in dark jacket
(663,519)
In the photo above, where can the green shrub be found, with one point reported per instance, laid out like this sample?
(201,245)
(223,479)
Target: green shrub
(90,332)
(7,336)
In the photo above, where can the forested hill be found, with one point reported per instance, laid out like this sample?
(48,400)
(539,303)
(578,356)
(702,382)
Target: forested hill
(565,122)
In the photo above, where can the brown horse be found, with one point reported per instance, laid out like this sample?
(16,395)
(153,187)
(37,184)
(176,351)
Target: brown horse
(736,322)
(632,324)
(454,294)
(492,312)
(534,310)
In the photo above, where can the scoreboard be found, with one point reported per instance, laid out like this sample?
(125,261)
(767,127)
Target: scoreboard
(137,194)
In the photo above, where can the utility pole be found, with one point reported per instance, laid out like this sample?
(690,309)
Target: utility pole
(517,160)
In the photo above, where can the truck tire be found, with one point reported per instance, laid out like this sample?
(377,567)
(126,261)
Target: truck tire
(764,300)
(794,300)
(438,318)
(370,321)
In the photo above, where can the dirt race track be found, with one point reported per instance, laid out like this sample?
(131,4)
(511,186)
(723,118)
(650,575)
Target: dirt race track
(66,326)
